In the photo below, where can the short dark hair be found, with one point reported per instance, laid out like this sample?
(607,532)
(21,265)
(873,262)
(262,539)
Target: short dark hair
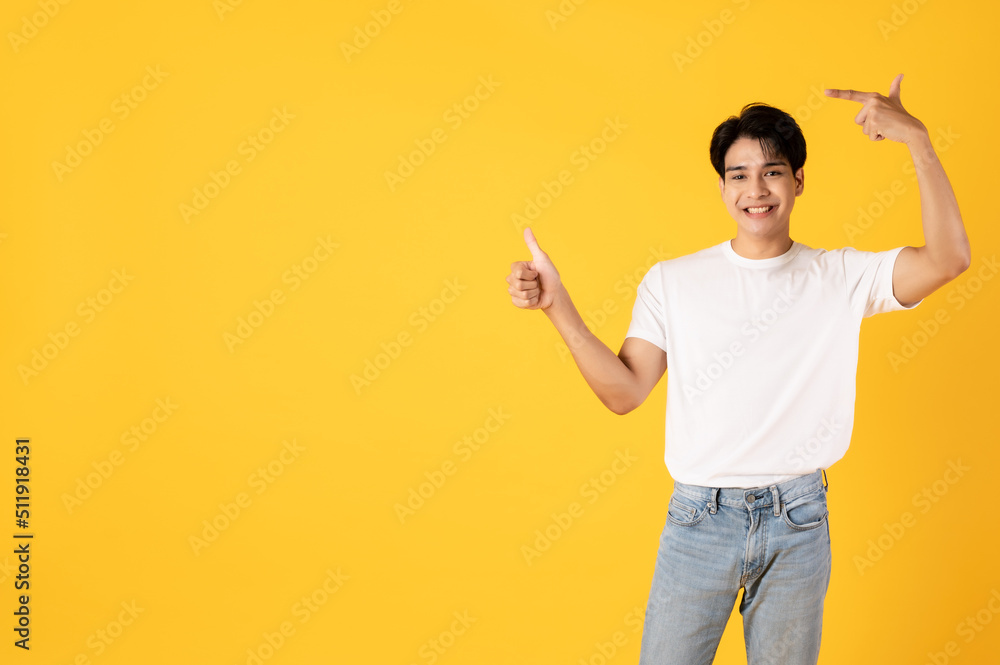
(778,133)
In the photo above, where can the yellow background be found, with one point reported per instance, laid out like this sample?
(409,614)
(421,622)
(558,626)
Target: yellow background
(334,507)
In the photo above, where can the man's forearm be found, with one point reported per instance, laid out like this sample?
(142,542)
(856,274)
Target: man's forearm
(605,373)
(945,239)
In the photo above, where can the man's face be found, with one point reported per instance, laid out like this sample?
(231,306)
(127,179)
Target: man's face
(759,192)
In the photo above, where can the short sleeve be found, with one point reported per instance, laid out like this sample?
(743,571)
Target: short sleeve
(648,320)
(869,281)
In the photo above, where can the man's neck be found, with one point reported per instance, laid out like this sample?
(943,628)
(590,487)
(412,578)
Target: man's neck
(760,248)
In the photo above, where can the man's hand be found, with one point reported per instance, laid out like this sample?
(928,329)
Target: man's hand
(883,117)
(918,271)
(533,284)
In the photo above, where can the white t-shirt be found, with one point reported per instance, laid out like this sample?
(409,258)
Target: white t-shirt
(762,357)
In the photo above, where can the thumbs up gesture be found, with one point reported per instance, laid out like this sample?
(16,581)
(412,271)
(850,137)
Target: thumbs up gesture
(882,117)
(533,284)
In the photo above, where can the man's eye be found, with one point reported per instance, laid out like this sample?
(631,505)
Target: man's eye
(735,177)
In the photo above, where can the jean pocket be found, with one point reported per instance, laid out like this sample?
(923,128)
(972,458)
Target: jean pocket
(683,510)
(805,512)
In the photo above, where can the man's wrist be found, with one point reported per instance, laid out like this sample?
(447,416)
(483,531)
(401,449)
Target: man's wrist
(921,147)
(919,136)
(559,300)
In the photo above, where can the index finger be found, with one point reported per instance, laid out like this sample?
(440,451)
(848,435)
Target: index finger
(520,270)
(852,95)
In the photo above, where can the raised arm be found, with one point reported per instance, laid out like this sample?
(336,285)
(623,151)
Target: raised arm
(919,271)
(621,382)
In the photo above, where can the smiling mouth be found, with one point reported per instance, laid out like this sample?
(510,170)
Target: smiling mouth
(758,212)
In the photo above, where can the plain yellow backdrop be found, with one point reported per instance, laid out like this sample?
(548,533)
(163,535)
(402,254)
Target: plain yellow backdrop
(272,239)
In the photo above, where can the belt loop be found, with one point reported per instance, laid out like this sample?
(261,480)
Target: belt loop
(826,483)
(713,501)
(776,499)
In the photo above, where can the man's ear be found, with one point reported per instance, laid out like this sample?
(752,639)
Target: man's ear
(800,181)
(722,187)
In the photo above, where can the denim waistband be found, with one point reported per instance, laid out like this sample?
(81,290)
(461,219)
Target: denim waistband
(755,497)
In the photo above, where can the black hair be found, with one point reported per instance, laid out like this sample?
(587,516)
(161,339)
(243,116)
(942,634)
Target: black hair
(778,133)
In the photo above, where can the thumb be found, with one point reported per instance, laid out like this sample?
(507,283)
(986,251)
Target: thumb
(894,88)
(536,252)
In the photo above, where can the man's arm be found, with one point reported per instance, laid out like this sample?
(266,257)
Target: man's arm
(621,382)
(919,271)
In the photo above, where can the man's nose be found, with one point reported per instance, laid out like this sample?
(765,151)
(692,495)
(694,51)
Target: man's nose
(758,188)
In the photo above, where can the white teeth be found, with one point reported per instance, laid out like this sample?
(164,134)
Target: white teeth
(757,211)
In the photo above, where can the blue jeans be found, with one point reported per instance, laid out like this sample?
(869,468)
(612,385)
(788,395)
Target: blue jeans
(773,542)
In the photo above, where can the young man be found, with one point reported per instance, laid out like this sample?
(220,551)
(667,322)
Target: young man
(761,335)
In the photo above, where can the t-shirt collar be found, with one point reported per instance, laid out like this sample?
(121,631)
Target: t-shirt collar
(771,262)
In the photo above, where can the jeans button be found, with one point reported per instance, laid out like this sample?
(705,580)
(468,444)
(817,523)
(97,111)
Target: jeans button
(751,498)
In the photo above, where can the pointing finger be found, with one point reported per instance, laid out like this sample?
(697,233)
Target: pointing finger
(852,95)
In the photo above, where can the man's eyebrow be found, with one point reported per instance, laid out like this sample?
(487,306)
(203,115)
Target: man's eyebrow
(740,167)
